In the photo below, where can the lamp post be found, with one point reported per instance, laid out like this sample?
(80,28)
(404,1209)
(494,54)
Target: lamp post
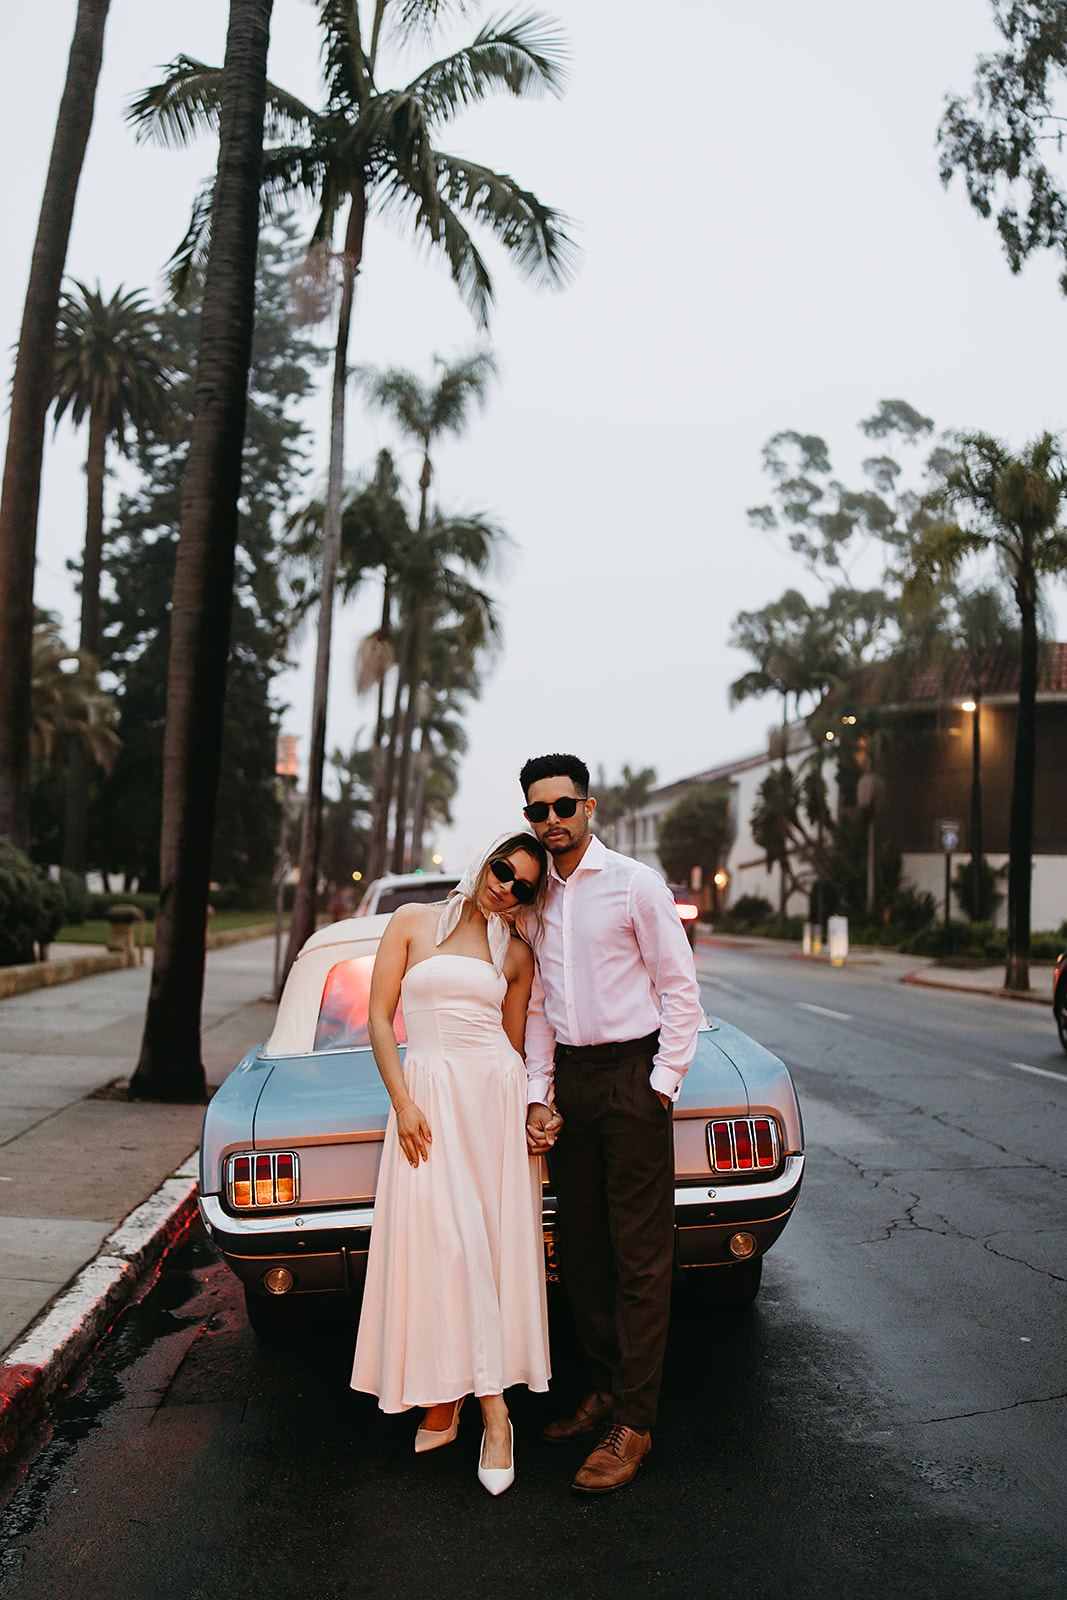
(972,706)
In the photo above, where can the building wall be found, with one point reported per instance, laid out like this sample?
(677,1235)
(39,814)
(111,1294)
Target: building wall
(926,870)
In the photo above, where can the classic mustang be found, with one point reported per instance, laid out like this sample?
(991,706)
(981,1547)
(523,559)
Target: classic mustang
(292,1139)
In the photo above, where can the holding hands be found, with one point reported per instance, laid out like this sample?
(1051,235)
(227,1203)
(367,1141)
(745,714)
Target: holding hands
(542,1128)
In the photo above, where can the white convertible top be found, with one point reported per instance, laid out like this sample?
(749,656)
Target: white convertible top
(298,1009)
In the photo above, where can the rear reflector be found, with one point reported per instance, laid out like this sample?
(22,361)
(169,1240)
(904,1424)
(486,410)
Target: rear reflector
(263,1179)
(743,1144)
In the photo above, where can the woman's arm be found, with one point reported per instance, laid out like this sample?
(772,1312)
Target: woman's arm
(518,970)
(390,964)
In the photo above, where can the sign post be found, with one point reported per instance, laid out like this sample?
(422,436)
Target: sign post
(951,834)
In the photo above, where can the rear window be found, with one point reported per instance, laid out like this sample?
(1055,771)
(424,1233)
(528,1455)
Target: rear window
(342,1023)
(414,894)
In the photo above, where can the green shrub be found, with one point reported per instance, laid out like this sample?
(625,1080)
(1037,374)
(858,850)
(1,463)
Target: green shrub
(750,908)
(1047,946)
(76,896)
(912,909)
(53,910)
(22,905)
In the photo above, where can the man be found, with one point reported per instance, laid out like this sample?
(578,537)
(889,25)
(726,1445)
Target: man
(610,1034)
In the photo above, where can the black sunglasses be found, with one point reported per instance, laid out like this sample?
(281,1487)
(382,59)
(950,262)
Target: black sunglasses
(524,892)
(565,806)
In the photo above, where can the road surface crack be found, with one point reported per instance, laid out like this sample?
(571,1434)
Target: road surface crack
(991,1411)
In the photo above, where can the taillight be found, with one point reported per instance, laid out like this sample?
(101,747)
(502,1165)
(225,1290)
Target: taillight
(263,1179)
(241,1180)
(687,913)
(743,1144)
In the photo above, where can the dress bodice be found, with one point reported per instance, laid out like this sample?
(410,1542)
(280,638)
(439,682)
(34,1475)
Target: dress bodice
(453,1001)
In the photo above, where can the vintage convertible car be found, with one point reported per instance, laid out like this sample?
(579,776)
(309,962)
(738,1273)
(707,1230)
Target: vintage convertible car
(292,1139)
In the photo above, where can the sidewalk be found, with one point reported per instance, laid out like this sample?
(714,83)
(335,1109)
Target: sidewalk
(93,1188)
(892,967)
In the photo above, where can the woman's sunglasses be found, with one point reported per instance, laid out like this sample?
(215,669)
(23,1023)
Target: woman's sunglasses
(524,892)
(565,806)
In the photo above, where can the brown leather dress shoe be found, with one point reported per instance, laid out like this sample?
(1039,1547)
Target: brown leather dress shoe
(614,1461)
(586,1419)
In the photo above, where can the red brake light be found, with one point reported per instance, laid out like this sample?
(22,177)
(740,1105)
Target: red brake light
(284,1182)
(264,1182)
(687,913)
(241,1181)
(740,1144)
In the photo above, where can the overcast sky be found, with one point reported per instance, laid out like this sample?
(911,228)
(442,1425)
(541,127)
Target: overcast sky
(766,245)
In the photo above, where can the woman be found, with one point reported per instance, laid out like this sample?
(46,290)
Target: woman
(455,1295)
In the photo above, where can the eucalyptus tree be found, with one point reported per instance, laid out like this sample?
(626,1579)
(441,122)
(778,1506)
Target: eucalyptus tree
(424,413)
(1006,139)
(992,504)
(170,1066)
(110,368)
(31,395)
(370,151)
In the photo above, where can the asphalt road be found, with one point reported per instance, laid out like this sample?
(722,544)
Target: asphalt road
(889,1417)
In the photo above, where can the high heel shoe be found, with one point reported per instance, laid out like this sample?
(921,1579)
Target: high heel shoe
(434,1438)
(497,1479)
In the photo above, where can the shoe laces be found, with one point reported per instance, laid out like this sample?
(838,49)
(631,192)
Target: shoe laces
(613,1438)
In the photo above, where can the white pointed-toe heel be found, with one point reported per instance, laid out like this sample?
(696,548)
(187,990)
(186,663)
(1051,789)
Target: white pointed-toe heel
(433,1439)
(497,1479)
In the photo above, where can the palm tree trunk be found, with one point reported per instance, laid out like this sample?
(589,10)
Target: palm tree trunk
(413,663)
(170,1065)
(977,848)
(418,810)
(31,394)
(389,777)
(379,795)
(302,925)
(76,804)
(1021,825)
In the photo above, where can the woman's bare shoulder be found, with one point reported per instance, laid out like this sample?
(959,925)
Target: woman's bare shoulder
(519,957)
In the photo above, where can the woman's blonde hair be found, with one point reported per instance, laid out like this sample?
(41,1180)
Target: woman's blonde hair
(537,852)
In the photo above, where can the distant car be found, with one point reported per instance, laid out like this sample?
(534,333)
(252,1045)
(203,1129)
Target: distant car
(688,909)
(292,1140)
(401,888)
(1059,996)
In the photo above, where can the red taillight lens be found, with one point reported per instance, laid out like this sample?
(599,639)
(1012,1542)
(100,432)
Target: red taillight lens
(764,1140)
(284,1181)
(740,1144)
(263,1179)
(687,913)
(241,1181)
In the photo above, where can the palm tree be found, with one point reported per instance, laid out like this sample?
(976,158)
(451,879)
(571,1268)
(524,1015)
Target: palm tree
(368,151)
(1010,508)
(424,412)
(983,630)
(31,395)
(170,1065)
(67,706)
(109,367)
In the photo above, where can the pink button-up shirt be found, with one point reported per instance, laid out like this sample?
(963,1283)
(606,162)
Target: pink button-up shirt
(614,964)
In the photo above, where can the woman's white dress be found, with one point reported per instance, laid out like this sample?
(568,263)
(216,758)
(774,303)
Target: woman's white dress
(454,1301)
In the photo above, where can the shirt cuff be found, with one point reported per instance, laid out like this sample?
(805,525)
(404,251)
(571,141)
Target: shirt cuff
(538,1091)
(665,1081)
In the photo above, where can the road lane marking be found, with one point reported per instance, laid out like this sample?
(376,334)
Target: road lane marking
(1042,1072)
(824,1011)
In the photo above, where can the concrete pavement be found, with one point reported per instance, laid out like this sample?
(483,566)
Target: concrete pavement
(77,1161)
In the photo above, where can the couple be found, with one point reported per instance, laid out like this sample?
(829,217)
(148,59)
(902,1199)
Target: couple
(564,951)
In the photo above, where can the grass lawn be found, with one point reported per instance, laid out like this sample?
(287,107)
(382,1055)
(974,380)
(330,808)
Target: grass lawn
(96,932)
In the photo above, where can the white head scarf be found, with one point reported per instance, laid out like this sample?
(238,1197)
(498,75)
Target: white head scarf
(498,930)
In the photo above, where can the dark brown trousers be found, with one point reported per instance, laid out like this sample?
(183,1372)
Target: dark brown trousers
(613,1170)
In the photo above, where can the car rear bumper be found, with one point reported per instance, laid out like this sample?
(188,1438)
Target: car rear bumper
(326,1251)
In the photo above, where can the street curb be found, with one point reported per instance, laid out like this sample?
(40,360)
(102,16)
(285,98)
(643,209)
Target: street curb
(923,982)
(62,1336)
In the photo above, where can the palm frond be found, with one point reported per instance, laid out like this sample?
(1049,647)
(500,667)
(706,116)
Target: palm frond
(191,255)
(523,54)
(409,18)
(533,233)
(186,103)
(344,61)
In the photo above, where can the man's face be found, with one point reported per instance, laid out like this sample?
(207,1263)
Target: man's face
(560,834)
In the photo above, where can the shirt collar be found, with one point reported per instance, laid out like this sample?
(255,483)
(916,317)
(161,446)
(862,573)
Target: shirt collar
(593,860)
